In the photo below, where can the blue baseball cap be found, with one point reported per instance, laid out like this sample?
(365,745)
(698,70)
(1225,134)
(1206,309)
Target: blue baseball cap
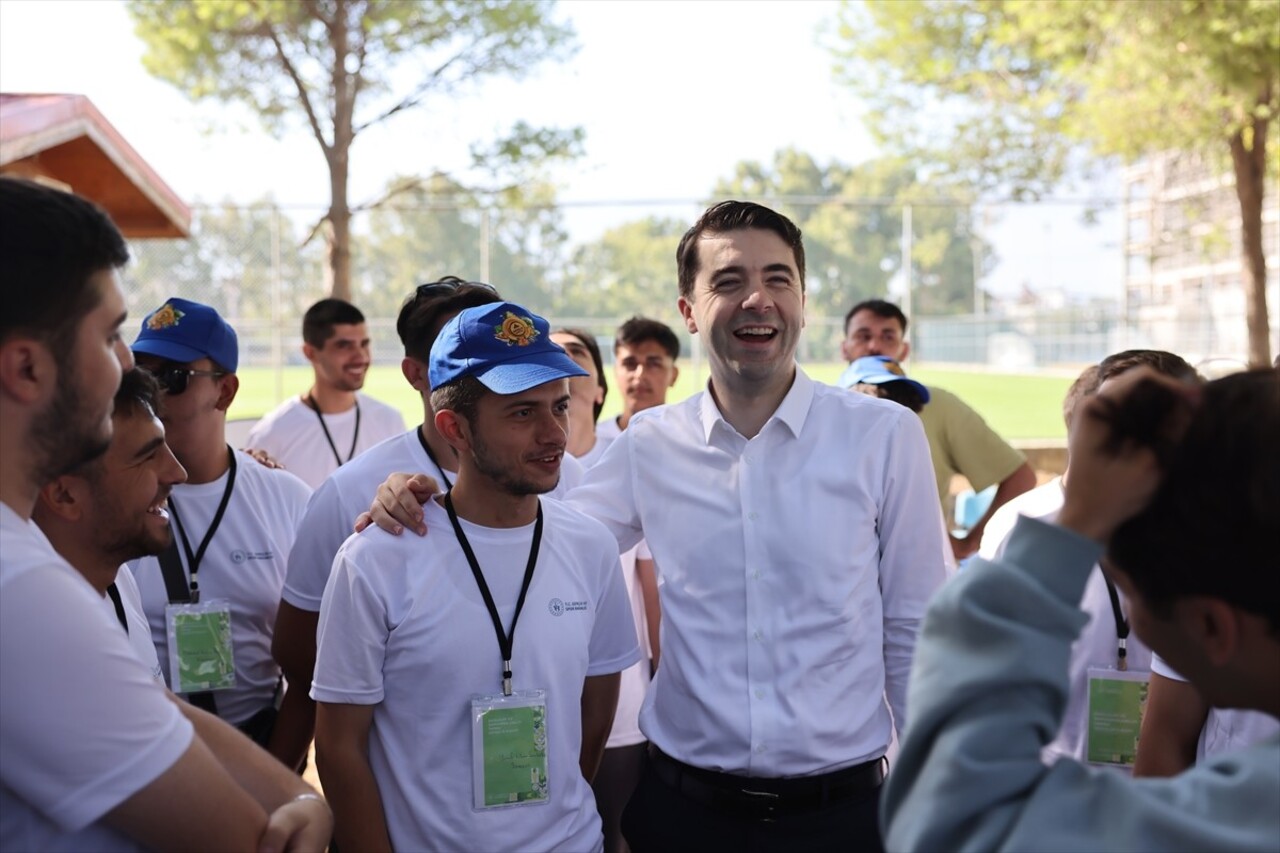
(878,370)
(184,331)
(507,347)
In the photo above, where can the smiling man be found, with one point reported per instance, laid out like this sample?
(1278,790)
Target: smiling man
(796,536)
(211,598)
(316,433)
(93,755)
(413,757)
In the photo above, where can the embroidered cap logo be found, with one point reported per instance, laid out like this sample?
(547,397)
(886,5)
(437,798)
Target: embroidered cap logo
(164,317)
(515,329)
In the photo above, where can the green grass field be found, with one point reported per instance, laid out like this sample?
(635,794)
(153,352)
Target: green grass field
(1018,406)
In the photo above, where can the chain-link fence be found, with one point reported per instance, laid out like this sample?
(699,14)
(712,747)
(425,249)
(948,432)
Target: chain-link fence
(1069,302)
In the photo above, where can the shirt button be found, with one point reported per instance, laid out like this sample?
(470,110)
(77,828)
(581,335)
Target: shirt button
(752,516)
(757,635)
(760,748)
(759,693)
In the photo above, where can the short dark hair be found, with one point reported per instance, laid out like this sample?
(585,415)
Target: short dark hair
(1173,366)
(51,244)
(318,322)
(1210,527)
(729,216)
(462,395)
(902,393)
(881,308)
(589,341)
(139,391)
(1086,383)
(423,313)
(639,330)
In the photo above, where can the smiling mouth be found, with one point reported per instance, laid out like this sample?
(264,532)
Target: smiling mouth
(755,333)
(548,459)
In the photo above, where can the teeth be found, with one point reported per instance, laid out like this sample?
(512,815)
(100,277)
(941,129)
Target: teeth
(160,511)
(755,331)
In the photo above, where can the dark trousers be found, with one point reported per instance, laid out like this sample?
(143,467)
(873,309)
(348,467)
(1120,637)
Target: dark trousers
(660,818)
(620,771)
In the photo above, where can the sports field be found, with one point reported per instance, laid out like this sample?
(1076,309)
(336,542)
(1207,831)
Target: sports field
(1018,406)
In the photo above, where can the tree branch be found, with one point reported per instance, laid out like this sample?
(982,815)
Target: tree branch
(300,84)
(414,97)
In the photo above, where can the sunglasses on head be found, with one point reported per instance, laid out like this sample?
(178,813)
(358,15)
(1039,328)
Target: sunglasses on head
(173,379)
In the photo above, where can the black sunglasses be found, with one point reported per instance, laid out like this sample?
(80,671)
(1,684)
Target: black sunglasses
(173,380)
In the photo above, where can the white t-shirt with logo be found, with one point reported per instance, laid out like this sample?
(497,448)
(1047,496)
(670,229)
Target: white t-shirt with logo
(83,726)
(404,627)
(293,436)
(333,508)
(244,564)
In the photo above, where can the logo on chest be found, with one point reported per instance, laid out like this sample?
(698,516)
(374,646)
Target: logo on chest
(559,607)
(238,556)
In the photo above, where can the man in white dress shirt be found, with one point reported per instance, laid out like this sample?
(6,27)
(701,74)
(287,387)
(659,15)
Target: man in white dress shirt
(333,422)
(795,530)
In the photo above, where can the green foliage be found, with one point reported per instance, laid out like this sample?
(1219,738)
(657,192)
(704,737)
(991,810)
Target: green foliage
(630,268)
(1003,91)
(851,217)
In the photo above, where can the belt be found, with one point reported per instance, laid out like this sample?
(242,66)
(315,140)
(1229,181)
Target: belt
(765,798)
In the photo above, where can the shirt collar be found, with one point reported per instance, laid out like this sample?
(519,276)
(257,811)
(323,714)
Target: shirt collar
(792,411)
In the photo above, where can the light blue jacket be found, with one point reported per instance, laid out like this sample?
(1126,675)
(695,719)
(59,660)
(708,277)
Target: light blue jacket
(987,691)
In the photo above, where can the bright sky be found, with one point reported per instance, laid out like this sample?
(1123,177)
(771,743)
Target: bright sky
(672,95)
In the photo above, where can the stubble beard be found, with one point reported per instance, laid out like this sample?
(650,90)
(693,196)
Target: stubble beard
(503,479)
(65,433)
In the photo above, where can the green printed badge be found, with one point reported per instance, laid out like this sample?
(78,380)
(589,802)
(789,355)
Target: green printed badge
(509,749)
(1117,701)
(200,651)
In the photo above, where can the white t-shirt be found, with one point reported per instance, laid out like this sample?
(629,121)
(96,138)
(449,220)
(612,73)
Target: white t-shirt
(634,683)
(404,627)
(333,508)
(607,430)
(244,564)
(293,436)
(83,727)
(1225,729)
(1097,644)
(136,618)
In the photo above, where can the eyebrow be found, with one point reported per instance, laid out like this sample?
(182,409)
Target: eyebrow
(738,269)
(146,450)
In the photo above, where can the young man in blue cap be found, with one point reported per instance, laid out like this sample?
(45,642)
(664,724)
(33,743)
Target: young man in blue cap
(513,599)
(211,597)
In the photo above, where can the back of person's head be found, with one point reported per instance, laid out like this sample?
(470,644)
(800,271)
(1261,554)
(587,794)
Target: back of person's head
(51,244)
(318,322)
(881,308)
(1210,529)
(639,330)
(589,341)
(1166,363)
(430,306)
(1086,383)
(729,216)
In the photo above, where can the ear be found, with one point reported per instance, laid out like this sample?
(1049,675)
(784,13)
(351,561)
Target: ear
(675,374)
(415,373)
(846,349)
(906,350)
(686,311)
(309,352)
(454,429)
(598,399)
(64,498)
(28,371)
(228,386)
(1215,627)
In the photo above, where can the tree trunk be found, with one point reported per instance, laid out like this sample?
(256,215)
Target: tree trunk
(339,243)
(1250,170)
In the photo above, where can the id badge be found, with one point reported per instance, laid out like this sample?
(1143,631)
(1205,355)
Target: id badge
(1117,701)
(509,749)
(200,655)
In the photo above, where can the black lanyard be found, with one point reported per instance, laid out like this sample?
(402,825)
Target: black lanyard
(422,439)
(115,599)
(193,560)
(1122,627)
(505,639)
(329,438)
